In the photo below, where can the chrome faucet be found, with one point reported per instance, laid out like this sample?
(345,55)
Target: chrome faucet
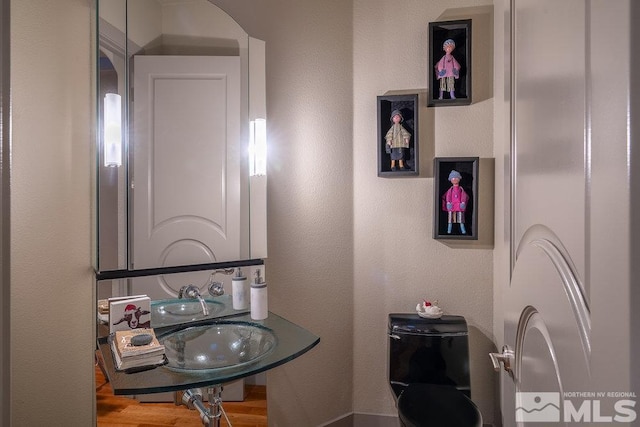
(192,291)
(189,291)
(216,289)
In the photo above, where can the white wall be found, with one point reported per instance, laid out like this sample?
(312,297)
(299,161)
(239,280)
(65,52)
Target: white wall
(397,263)
(52,320)
(501,266)
(346,247)
(310,196)
(337,264)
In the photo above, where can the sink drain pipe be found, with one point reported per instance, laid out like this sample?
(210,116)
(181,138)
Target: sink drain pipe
(209,414)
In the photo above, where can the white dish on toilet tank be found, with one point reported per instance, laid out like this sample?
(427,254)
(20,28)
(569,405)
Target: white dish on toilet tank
(429,311)
(430,316)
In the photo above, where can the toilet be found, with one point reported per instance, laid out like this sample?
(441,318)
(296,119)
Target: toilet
(429,371)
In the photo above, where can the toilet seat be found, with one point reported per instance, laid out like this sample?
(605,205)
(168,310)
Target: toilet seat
(433,405)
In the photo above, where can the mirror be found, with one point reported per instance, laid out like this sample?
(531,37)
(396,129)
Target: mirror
(179,84)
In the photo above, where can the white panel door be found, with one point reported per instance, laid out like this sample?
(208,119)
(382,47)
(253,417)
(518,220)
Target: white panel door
(558,343)
(186,153)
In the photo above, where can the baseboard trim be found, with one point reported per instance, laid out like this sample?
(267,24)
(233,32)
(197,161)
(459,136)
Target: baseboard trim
(364,420)
(373,420)
(343,421)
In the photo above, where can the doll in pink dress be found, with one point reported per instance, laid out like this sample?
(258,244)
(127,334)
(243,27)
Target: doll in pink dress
(454,202)
(448,69)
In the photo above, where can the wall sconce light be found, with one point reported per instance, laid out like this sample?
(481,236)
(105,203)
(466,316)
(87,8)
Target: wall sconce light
(258,147)
(112,130)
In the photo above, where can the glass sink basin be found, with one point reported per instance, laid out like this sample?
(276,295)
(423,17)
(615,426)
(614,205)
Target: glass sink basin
(175,311)
(217,345)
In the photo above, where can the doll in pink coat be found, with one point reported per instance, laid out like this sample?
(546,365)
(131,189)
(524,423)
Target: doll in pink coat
(454,202)
(448,69)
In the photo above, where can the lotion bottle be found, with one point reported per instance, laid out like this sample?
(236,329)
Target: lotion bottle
(259,308)
(239,291)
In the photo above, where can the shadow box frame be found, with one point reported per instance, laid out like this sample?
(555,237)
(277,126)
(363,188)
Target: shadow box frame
(460,32)
(468,167)
(408,106)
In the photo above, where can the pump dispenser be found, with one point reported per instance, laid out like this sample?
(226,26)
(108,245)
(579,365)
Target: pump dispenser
(259,308)
(239,291)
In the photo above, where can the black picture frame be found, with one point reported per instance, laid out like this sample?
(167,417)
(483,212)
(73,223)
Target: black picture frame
(408,106)
(467,167)
(460,32)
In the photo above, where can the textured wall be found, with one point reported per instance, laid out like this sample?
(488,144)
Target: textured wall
(310,196)
(397,263)
(52,321)
(346,247)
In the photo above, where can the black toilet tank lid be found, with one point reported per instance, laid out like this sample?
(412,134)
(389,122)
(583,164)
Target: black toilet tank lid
(414,324)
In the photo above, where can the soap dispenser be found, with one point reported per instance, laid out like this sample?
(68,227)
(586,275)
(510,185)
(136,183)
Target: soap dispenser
(259,309)
(239,291)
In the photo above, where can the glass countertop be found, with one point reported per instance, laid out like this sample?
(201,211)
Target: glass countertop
(292,341)
(170,312)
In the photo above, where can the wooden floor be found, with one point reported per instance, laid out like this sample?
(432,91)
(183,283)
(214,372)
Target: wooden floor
(120,411)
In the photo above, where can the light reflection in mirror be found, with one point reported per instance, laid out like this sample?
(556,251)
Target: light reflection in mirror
(163,28)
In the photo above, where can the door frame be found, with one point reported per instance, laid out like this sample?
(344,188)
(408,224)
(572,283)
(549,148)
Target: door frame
(5,179)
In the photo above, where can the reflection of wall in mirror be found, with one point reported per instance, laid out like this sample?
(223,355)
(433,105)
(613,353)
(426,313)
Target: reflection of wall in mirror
(186,29)
(201,22)
(111,180)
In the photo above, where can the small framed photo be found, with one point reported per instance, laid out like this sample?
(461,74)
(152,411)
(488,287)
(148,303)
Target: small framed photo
(398,135)
(450,63)
(456,198)
(131,312)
